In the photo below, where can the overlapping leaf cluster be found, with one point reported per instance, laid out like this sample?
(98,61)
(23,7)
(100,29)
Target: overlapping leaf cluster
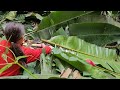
(76,37)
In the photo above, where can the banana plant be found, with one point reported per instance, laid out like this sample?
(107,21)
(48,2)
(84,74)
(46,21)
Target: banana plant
(55,20)
(80,64)
(103,56)
(52,23)
(87,33)
(96,33)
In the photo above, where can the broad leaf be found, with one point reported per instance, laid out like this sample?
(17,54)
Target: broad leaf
(96,33)
(49,23)
(60,31)
(30,67)
(20,18)
(11,15)
(86,51)
(60,17)
(81,64)
(38,16)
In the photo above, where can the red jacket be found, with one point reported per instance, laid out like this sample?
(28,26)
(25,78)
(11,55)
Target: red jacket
(33,54)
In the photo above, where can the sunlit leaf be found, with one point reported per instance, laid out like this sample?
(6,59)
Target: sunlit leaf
(55,16)
(11,15)
(86,51)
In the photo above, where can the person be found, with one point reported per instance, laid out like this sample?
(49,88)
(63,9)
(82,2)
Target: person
(14,33)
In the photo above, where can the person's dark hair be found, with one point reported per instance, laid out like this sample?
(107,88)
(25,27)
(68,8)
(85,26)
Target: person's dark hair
(13,32)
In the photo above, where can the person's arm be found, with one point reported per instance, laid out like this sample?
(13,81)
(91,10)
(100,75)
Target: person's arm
(34,54)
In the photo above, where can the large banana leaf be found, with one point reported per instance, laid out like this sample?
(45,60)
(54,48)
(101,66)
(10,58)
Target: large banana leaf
(97,33)
(60,17)
(81,65)
(104,56)
(97,17)
(66,18)
(50,22)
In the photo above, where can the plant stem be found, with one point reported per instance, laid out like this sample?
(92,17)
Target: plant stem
(69,48)
(114,73)
(27,71)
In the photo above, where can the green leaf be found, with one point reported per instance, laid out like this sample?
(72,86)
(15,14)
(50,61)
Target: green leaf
(3,38)
(86,73)
(20,18)
(60,31)
(82,65)
(59,65)
(45,34)
(38,16)
(29,14)
(31,68)
(52,21)
(94,17)
(11,15)
(56,50)
(104,32)
(55,17)
(46,65)
(84,50)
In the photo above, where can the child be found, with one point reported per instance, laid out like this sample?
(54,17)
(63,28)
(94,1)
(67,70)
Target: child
(14,33)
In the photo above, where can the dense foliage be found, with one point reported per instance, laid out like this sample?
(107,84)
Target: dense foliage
(76,36)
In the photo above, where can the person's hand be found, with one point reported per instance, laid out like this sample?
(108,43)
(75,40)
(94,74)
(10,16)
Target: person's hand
(43,45)
(48,48)
(38,45)
(51,47)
